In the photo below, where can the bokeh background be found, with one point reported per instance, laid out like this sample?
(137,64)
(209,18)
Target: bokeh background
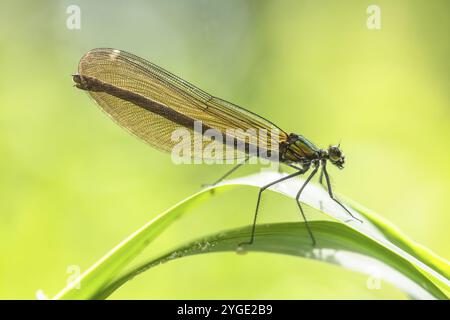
(73,184)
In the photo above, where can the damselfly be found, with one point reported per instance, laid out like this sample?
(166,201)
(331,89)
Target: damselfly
(152,103)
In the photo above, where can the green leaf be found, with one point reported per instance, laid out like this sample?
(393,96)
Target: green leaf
(103,271)
(344,241)
(336,244)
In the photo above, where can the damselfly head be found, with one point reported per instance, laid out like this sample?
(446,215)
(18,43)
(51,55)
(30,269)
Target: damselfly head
(336,156)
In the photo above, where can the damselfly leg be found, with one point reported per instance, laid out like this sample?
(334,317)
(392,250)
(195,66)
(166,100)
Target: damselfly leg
(330,192)
(252,236)
(228,173)
(321,179)
(297,198)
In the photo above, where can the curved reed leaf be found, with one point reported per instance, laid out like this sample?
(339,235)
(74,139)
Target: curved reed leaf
(407,265)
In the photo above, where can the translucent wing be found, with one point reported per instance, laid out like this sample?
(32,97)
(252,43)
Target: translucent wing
(119,71)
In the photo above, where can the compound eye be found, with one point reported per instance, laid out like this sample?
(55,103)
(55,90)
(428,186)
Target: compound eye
(334,153)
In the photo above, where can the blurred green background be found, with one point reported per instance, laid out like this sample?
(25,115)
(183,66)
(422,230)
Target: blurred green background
(73,184)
